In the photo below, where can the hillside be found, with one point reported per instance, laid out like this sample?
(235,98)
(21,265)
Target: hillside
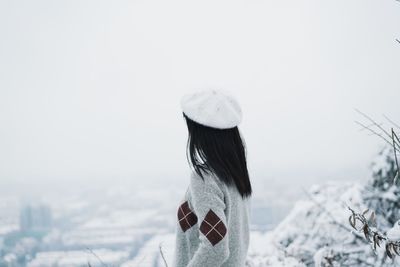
(317,231)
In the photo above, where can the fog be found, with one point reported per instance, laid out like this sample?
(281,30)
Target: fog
(92,137)
(90,90)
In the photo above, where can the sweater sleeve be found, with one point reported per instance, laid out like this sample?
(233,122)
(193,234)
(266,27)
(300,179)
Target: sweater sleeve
(208,203)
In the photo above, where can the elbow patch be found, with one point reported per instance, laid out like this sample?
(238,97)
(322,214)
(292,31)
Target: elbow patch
(213,228)
(187,218)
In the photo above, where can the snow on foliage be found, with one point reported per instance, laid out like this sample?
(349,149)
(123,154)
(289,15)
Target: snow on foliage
(382,195)
(317,231)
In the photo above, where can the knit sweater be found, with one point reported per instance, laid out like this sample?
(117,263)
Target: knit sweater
(213,225)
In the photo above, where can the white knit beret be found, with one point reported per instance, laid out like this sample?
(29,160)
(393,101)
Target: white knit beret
(213,108)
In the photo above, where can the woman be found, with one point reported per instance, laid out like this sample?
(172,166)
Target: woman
(213,216)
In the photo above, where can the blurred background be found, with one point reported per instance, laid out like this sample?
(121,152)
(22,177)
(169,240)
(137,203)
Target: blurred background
(92,138)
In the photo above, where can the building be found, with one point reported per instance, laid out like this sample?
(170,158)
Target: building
(35,218)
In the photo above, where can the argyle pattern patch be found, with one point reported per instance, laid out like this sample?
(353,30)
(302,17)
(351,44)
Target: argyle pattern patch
(213,228)
(186,217)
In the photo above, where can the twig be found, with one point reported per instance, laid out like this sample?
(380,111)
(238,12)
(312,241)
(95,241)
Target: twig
(373,122)
(395,142)
(394,137)
(96,256)
(389,120)
(374,132)
(162,255)
(367,126)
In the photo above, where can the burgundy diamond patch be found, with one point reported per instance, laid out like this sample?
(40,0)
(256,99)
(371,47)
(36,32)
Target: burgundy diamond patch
(186,217)
(213,228)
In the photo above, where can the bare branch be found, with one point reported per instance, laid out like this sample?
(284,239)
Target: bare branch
(367,126)
(374,122)
(394,137)
(162,255)
(374,132)
(389,120)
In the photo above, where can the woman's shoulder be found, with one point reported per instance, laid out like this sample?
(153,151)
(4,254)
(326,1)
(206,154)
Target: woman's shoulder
(207,178)
(207,183)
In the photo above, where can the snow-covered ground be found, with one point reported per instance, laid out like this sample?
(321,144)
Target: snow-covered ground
(123,225)
(316,232)
(78,258)
(310,225)
(150,253)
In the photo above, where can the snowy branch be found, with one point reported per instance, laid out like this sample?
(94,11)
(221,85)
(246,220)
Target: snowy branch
(361,224)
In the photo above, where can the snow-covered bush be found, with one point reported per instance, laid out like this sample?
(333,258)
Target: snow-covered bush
(317,231)
(382,194)
(381,226)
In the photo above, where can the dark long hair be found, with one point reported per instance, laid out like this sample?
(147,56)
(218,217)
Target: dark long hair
(220,152)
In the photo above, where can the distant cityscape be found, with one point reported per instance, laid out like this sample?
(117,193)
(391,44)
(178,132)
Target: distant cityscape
(115,227)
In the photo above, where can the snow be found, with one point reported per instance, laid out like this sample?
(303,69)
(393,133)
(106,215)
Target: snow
(394,233)
(78,258)
(317,232)
(311,233)
(6,229)
(150,255)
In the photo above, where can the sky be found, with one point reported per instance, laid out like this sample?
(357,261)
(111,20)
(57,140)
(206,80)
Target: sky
(90,90)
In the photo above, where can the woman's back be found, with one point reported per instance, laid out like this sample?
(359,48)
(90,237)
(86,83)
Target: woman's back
(213,225)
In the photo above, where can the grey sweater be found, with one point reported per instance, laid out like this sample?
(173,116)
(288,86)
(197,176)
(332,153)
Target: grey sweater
(213,225)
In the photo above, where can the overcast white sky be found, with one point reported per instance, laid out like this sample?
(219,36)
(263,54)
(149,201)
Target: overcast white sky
(91,89)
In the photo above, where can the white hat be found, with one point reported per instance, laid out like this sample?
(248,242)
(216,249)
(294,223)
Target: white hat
(213,108)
